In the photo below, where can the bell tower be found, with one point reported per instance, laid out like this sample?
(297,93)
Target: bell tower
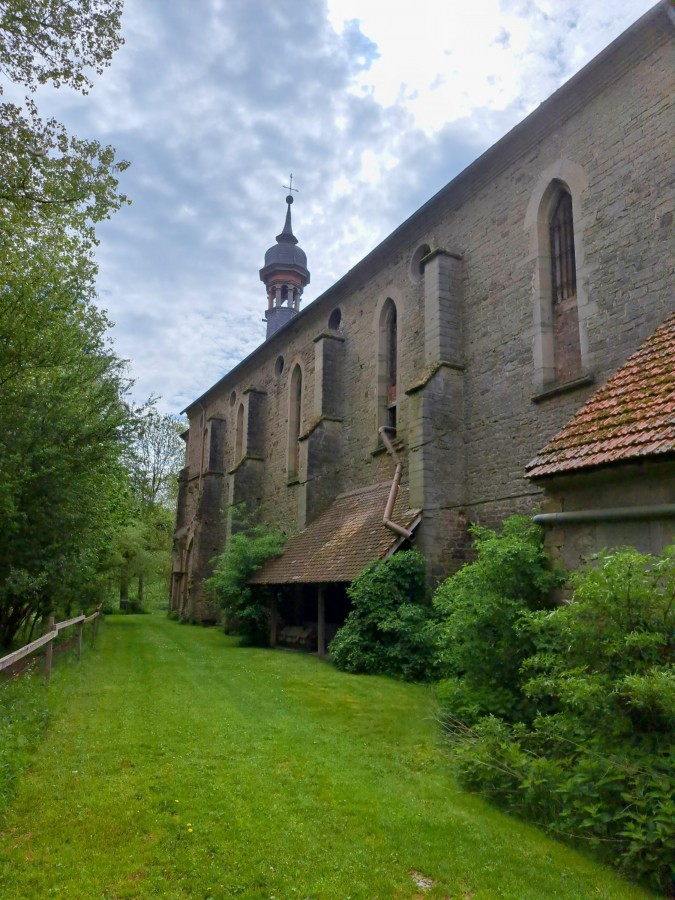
(284,274)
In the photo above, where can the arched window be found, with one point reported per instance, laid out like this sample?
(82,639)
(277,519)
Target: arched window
(560,304)
(239,435)
(294,421)
(565,318)
(388,365)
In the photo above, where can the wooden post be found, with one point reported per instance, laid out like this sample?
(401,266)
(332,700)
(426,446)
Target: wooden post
(94,626)
(273,621)
(321,622)
(80,629)
(49,653)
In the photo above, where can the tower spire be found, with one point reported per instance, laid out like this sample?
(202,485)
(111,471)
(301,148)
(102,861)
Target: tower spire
(285,273)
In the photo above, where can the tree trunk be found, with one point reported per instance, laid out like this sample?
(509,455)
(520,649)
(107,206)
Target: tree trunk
(124,584)
(141,590)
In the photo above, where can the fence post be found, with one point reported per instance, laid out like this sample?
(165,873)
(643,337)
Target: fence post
(94,627)
(80,629)
(49,653)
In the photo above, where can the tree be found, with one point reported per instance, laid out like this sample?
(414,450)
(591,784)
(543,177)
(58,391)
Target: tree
(62,494)
(61,476)
(57,40)
(248,549)
(153,457)
(46,174)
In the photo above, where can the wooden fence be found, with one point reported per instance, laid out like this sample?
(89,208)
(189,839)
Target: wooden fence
(54,629)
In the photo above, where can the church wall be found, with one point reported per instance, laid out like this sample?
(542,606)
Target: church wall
(621,139)
(361,461)
(469,424)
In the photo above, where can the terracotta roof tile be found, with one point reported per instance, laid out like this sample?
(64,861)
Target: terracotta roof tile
(345,538)
(632,416)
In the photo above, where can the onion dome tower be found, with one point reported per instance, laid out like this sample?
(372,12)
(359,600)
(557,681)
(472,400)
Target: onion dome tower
(285,275)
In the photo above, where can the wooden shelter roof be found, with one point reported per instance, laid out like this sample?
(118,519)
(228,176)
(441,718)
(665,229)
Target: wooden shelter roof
(342,540)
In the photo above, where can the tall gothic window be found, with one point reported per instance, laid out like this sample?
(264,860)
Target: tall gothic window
(566,348)
(388,365)
(294,421)
(239,435)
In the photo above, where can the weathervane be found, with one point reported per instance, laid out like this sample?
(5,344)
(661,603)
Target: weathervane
(289,187)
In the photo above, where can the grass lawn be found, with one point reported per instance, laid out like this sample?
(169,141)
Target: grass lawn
(182,766)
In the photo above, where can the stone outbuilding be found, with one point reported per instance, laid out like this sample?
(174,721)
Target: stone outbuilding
(609,475)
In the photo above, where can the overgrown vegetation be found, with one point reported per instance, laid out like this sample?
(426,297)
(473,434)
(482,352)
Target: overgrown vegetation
(388,628)
(577,737)
(246,609)
(481,609)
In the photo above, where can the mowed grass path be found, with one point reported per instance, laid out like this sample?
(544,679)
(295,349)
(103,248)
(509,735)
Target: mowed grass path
(296,781)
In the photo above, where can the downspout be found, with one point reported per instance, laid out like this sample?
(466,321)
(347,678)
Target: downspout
(393,493)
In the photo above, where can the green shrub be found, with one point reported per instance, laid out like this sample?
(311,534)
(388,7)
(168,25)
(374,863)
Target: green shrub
(608,655)
(481,644)
(387,631)
(597,767)
(246,610)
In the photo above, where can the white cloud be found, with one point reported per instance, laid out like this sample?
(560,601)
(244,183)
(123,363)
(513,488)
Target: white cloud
(372,106)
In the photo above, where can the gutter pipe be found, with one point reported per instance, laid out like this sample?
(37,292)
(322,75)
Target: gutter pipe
(393,493)
(611,514)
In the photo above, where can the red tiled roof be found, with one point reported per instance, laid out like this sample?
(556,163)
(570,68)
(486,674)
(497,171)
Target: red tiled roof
(345,538)
(632,416)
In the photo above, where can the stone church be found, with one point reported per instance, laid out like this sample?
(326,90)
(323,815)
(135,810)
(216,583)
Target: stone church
(406,402)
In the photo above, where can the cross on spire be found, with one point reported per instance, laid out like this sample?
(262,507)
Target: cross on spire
(289,187)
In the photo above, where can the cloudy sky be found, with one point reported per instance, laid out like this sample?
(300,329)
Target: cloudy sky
(373,105)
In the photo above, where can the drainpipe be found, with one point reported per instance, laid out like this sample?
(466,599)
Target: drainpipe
(393,493)
(611,514)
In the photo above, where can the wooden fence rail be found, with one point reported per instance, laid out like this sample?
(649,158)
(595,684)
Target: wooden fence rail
(54,629)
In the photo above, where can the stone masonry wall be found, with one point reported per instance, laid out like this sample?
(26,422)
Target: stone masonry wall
(473,426)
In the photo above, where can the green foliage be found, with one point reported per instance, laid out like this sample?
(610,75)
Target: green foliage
(246,610)
(387,631)
(62,482)
(56,41)
(608,655)
(481,644)
(153,454)
(154,457)
(50,180)
(62,490)
(597,766)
